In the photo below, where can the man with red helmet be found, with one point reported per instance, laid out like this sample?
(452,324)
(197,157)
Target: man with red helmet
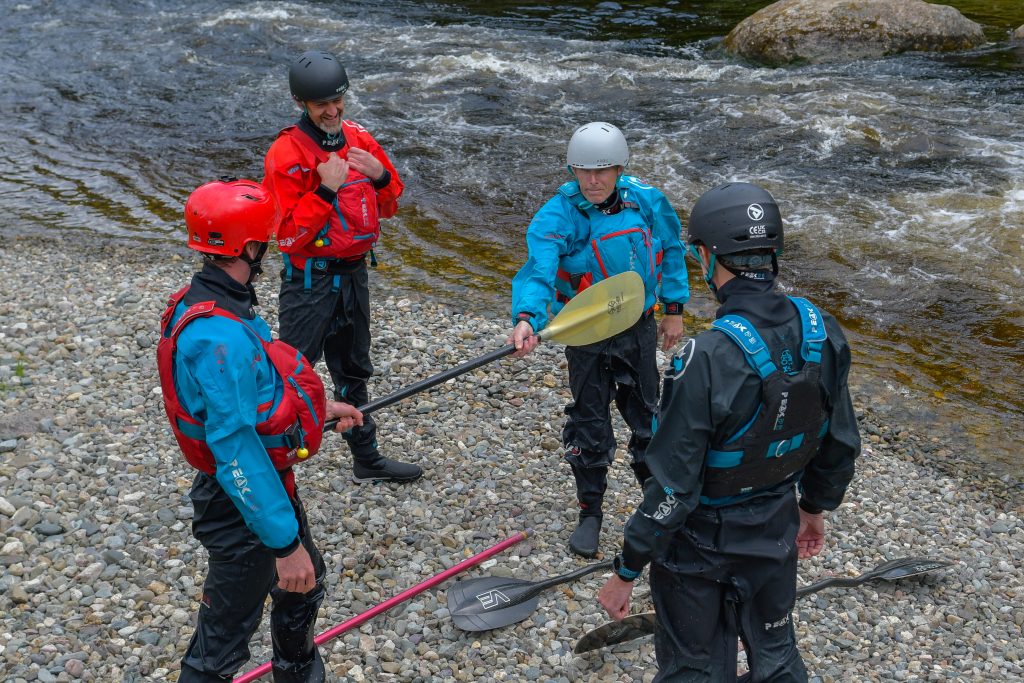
(334,183)
(244,409)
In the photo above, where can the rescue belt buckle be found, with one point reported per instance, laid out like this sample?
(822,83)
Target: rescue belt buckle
(293,436)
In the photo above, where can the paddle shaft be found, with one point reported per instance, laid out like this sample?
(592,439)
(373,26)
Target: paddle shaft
(431,381)
(359,619)
(541,586)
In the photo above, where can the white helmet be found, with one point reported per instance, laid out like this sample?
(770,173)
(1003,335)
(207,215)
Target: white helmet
(597,145)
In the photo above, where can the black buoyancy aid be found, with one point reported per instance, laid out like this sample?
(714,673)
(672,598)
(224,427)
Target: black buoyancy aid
(786,430)
(293,431)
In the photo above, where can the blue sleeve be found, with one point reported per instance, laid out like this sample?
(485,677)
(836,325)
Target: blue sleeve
(675,288)
(549,237)
(221,362)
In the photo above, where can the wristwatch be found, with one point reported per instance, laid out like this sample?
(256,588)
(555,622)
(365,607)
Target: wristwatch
(621,570)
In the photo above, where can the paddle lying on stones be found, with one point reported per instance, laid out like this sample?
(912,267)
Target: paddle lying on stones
(494,601)
(640,625)
(363,617)
(598,312)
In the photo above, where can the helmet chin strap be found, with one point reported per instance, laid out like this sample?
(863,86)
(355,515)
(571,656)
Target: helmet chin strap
(709,272)
(255,263)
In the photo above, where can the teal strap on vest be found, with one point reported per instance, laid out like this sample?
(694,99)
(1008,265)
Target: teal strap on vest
(746,337)
(198,432)
(814,333)
(336,283)
(724,459)
(287,266)
(307,276)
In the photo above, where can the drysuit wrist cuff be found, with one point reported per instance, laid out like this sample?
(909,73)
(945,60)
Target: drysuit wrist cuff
(673,308)
(383,181)
(325,193)
(287,550)
(809,507)
(622,571)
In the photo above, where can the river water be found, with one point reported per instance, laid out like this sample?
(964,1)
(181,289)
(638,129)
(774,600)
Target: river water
(901,179)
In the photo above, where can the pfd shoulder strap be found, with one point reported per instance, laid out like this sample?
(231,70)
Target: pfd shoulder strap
(309,144)
(741,331)
(813,326)
(204,309)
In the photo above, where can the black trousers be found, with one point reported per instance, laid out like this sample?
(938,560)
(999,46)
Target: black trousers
(624,369)
(730,572)
(331,318)
(241,574)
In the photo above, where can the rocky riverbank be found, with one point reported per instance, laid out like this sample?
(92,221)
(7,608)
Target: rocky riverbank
(100,575)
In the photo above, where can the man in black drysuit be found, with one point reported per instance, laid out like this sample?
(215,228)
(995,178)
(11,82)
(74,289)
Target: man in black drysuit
(756,437)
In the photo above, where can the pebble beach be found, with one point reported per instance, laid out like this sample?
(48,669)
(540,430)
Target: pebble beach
(100,575)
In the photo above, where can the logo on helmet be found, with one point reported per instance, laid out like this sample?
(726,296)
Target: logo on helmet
(755,212)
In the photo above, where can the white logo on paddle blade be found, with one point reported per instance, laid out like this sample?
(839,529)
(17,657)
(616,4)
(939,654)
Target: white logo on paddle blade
(491,598)
(755,212)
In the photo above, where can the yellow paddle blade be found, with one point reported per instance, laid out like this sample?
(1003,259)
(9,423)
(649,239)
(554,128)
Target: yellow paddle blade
(599,311)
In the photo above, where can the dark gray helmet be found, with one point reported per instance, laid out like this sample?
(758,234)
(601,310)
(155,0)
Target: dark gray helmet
(735,217)
(317,76)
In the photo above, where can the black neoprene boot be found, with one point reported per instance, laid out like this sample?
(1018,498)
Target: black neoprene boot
(584,540)
(384,469)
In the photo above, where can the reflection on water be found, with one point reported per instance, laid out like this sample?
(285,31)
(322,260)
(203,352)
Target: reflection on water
(902,179)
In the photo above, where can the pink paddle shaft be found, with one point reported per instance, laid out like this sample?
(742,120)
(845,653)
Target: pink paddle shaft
(357,620)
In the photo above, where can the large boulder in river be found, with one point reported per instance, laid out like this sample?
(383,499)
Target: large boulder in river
(793,31)
(1018,35)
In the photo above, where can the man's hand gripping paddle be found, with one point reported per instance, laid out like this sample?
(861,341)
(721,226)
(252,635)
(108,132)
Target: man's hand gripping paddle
(598,312)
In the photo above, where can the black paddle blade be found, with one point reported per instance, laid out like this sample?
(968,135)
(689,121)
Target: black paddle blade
(490,602)
(639,625)
(910,566)
(615,632)
(893,570)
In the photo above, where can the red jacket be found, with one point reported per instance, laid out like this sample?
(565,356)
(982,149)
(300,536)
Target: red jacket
(346,230)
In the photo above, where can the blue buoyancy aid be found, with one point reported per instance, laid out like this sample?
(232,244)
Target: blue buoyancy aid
(617,243)
(786,430)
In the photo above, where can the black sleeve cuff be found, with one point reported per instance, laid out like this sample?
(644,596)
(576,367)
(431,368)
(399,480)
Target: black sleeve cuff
(287,550)
(326,194)
(632,560)
(809,507)
(383,181)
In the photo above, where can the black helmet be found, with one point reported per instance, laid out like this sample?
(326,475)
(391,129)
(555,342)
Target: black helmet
(736,217)
(317,76)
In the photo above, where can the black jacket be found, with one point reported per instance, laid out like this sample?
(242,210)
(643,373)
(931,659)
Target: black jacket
(713,395)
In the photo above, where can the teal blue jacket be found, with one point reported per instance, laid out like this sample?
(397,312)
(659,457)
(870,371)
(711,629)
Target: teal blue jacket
(572,244)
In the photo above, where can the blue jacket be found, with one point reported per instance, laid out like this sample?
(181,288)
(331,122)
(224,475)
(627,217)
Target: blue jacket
(223,378)
(569,240)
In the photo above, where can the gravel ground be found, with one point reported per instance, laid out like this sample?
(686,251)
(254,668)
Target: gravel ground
(101,574)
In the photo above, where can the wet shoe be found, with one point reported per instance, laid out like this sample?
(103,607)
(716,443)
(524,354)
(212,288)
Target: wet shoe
(385,469)
(584,540)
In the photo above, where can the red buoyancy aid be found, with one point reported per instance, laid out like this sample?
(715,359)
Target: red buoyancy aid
(353,226)
(292,432)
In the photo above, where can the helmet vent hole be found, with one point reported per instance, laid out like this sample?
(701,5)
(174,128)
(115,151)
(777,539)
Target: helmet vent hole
(250,197)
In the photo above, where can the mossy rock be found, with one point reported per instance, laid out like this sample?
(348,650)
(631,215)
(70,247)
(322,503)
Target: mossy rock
(814,31)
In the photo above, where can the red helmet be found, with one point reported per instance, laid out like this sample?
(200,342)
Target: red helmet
(225,215)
